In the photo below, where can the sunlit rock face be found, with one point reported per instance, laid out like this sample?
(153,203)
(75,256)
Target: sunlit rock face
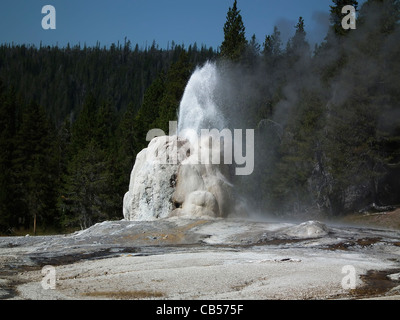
(172,178)
(152,181)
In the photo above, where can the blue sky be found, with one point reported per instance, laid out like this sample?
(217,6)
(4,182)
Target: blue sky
(142,21)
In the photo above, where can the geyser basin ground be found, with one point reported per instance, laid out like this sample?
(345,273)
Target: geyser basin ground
(203,259)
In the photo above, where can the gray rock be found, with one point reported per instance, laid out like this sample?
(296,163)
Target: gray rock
(309,229)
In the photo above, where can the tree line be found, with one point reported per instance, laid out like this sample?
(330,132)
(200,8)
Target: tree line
(326,119)
(71,123)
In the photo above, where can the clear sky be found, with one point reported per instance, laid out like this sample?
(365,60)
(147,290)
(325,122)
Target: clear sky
(142,21)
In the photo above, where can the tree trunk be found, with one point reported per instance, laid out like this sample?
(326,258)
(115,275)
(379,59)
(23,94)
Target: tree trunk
(34,224)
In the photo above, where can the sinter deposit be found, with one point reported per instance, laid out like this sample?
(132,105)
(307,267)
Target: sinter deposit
(179,175)
(168,179)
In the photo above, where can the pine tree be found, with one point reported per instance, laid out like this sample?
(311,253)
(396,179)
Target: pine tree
(336,15)
(105,126)
(64,145)
(298,153)
(85,193)
(35,173)
(175,83)
(272,44)
(8,128)
(297,46)
(234,44)
(300,36)
(252,52)
(84,127)
(137,125)
(89,193)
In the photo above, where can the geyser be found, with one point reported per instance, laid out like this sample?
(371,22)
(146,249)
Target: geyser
(198,108)
(170,178)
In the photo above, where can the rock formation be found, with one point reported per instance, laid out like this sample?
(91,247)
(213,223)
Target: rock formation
(172,177)
(308,229)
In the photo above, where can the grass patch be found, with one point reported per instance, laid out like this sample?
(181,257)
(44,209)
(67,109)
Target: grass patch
(126,295)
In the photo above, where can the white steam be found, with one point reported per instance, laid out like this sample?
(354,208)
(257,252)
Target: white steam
(199,108)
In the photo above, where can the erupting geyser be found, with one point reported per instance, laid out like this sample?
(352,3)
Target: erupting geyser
(176,175)
(199,109)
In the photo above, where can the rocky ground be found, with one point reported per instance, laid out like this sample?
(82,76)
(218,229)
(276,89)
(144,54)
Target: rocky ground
(179,258)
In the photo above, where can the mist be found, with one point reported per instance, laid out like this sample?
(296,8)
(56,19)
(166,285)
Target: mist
(324,114)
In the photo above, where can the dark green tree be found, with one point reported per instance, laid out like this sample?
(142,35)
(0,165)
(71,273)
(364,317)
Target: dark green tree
(234,44)
(105,126)
(336,15)
(89,193)
(297,46)
(35,171)
(84,127)
(8,129)
(175,83)
(85,196)
(252,53)
(272,44)
(145,119)
(297,159)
